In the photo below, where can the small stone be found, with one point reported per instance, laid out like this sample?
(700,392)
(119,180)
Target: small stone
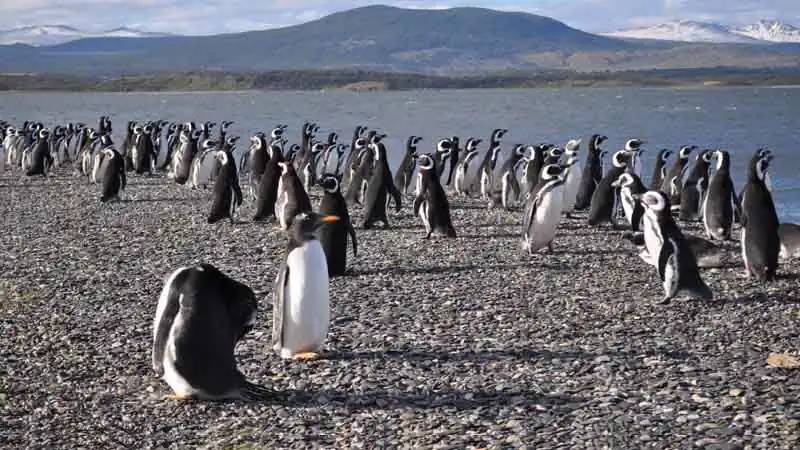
(735,392)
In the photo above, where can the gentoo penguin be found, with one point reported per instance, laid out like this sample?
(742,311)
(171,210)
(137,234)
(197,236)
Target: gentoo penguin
(695,186)
(333,236)
(431,204)
(660,169)
(509,185)
(292,196)
(673,179)
(380,189)
(592,173)
(39,159)
(403,176)
(720,201)
(462,167)
(483,180)
(267,187)
(227,192)
(790,240)
(455,154)
(676,262)
(630,186)
(114,178)
(543,210)
(760,239)
(301,309)
(572,178)
(605,195)
(201,315)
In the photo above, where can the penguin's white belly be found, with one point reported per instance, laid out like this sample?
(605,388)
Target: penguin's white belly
(546,219)
(172,377)
(306,303)
(627,204)
(653,241)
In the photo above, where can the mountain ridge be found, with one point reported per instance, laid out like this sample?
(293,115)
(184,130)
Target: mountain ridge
(764,31)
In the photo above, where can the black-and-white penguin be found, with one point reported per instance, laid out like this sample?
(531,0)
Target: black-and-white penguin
(454,157)
(363,167)
(114,178)
(201,315)
(695,187)
(605,195)
(333,236)
(39,160)
(357,142)
(144,152)
(462,166)
(267,187)
(292,196)
(720,201)
(509,185)
(630,187)
(431,204)
(760,240)
(572,177)
(227,192)
(254,161)
(634,147)
(542,211)
(673,180)
(790,240)
(444,149)
(660,169)
(380,189)
(184,156)
(301,303)
(532,167)
(667,247)
(592,173)
(404,174)
(483,181)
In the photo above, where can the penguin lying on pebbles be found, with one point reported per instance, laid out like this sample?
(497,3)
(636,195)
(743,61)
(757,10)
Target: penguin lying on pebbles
(201,315)
(790,240)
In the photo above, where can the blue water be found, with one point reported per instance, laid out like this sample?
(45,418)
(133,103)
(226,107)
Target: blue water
(739,120)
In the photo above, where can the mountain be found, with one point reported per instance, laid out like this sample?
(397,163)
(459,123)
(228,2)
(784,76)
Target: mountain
(456,41)
(771,31)
(47,35)
(763,31)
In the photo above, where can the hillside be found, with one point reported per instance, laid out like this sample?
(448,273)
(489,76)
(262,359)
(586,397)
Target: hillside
(452,41)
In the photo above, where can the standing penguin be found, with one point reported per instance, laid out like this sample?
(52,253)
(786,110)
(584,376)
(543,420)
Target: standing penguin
(144,153)
(455,154)
(605,195)
(379,189)
(356,144)
(634,147)
(509,185)
(543,210)
(695,187)
(201,315)
(267,187)
(666,245)
(39,159)
(114,178)
(402,179)
(592,172)
(673,180)
(301,304)
(292,196)
(761,242)
(462,167)
(483,180)
(720,202)
(630,186)
(532,167)
(572,179)
(363,167)
(444,149)
(659,169)
(431,204)
(333,236)
(227,192)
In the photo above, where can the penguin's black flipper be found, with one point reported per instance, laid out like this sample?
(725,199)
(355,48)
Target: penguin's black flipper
(668,269)
(352,232)
(514,183)
(636,216)
(418,202)
(396,196)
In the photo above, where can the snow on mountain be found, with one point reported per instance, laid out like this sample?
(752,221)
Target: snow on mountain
(44,35)
(686,31)
(770,30)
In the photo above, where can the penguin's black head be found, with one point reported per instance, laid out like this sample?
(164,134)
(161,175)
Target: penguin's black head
(222,157)
(498,134)
(424,161)
(333,138)
(598,139)
(520,150)
(377,138)
(705,155)
(555,153)
(664,154)
(304,225)
(330,183)
(361,143)
(685,151)
(620,158)
(624,180)
(196,134)
(573,146)
(763,153)
(634,145)
(44,133)
(277,132)
(656,201)
(106,141)
(762,165)
(412,143)
(472,144)
(209,144)
(317,148)
(444,146)
(231,141)
(226,124)
(551,172)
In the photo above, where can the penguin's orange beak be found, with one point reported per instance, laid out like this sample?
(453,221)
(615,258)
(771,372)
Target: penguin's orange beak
(330,219)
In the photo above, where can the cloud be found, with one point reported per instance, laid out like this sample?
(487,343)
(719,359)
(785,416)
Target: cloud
(221,16)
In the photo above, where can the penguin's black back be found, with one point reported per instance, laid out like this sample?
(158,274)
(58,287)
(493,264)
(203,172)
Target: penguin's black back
(333,236)
(268,190)
(760,221)
(227,192)
(601,207)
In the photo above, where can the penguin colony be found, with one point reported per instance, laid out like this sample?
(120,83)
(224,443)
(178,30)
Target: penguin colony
(203,313)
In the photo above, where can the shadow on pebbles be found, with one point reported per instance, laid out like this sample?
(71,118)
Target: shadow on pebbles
(462,343)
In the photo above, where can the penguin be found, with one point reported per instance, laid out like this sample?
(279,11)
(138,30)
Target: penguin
(509,185)
(443,150)
(483,180)
(572,178)
(462,166)
(227,192)
(380,189)
(205,164)
(592,172)
(307,167)
(128,145)
(301,308)
(553,154)
(202,314)
(114,178)
(660,169)
(184,156)
(254,161)
(695,187)
(402,178)
(789,234)
(760,240)
(363,168)
(720,201)
(605,195)
(673,179)
(431,203)
(666,245)
(100,162)
(532,167)
(39,157)
(267,187)
(357,143)
(543,210)
(634,147)
(760,153)
(455,154)
(333,236)
(292,197)
(630,186)
(144,151)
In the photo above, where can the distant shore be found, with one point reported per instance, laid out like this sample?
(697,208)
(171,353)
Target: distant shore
(372,81)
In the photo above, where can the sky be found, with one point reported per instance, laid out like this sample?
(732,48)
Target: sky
(220,16)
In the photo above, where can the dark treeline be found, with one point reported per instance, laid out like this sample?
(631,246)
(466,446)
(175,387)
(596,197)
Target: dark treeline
(365,80)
